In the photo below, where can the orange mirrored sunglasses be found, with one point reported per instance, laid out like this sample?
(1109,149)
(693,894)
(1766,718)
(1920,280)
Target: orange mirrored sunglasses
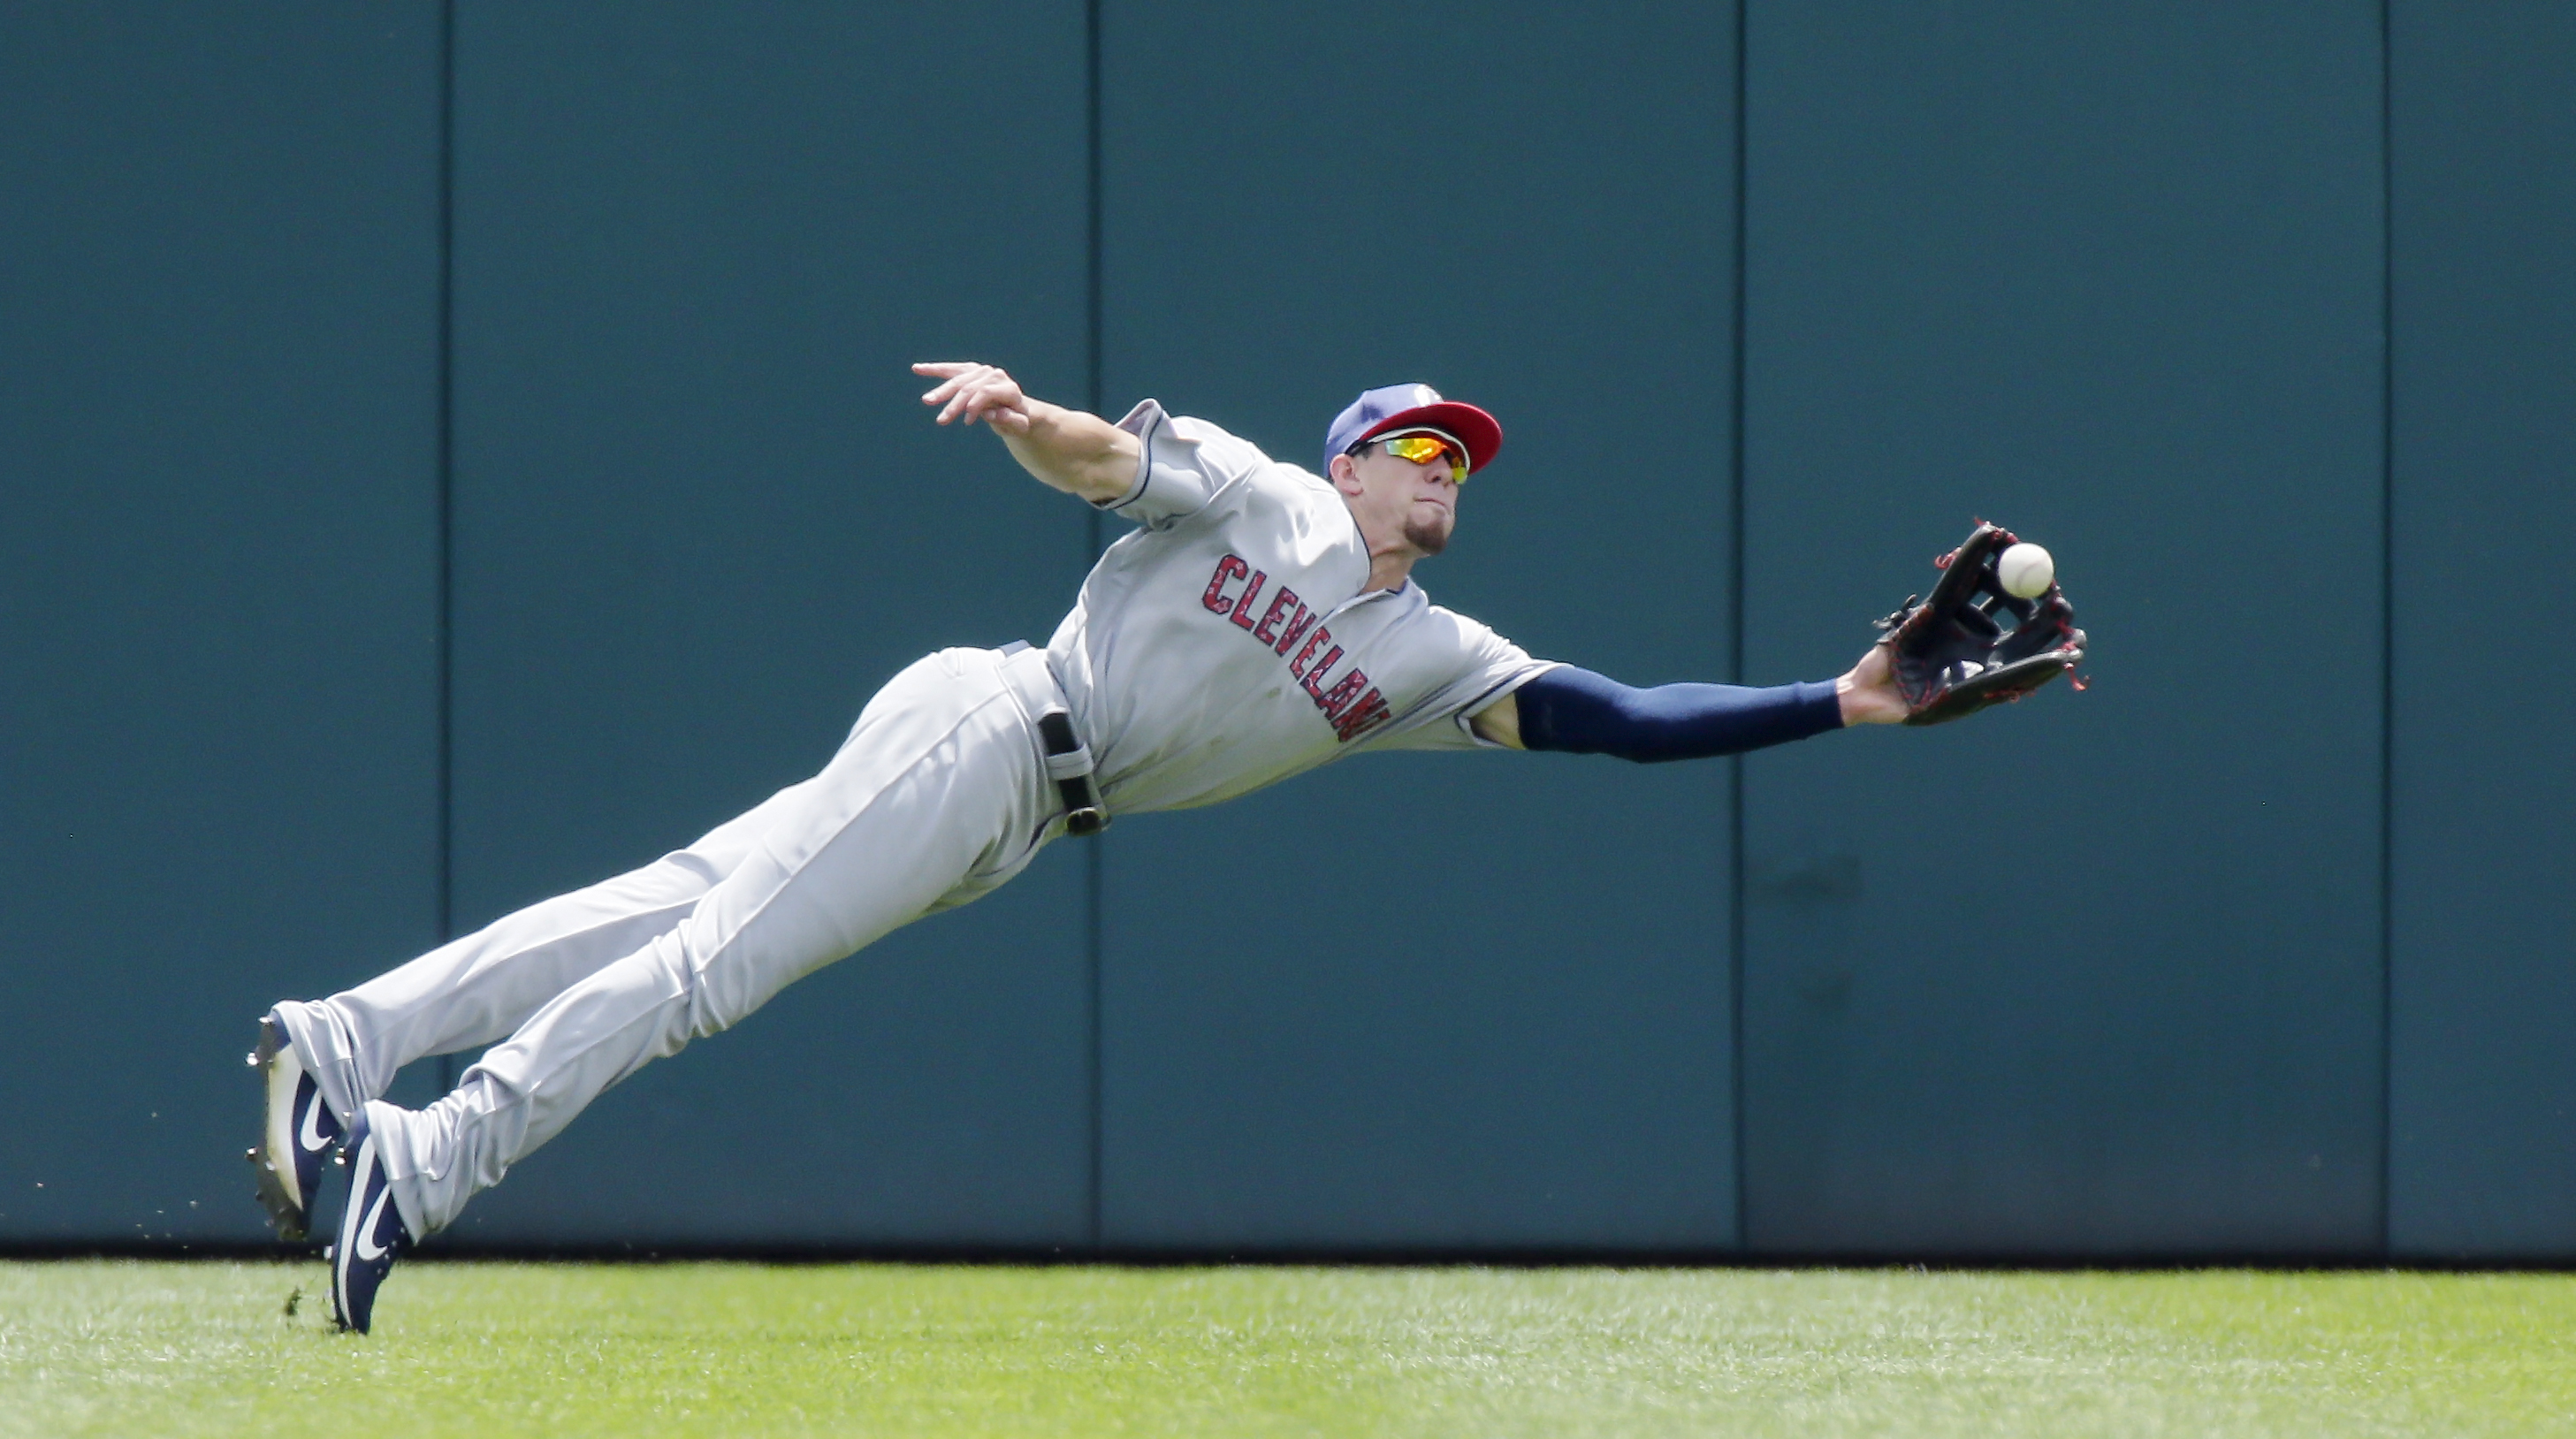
(1422,449)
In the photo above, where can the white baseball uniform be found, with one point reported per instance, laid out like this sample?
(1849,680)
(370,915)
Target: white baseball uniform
(1226,644)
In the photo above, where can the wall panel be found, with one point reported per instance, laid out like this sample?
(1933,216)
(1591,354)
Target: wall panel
(2100,975)
(1439,1000)
(2483,1082)
(700,517)
(218,572)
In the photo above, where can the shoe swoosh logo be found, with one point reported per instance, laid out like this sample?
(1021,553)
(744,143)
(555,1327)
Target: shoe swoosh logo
(369,1251)
(311,1137)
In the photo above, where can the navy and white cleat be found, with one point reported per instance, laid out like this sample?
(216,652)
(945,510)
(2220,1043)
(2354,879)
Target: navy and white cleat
(297,1138)
(372,1235)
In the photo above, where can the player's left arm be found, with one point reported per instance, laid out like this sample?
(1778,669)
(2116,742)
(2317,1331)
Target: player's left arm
(1070,450)
(1582,712)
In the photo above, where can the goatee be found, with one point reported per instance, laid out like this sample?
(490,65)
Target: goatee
(1428,536)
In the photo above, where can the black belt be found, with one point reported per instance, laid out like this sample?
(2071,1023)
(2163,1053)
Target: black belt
(1082,812)
(1068,759)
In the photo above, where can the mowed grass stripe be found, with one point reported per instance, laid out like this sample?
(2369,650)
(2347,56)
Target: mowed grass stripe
(130,1348)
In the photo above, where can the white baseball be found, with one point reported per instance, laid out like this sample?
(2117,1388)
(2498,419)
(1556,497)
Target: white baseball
(2026,571)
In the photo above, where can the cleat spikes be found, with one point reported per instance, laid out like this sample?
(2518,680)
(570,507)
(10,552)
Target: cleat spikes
(296,1136)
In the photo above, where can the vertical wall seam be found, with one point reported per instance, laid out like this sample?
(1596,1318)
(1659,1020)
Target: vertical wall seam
(446,495)
(1095,869)
(1735,653)
(2387,630)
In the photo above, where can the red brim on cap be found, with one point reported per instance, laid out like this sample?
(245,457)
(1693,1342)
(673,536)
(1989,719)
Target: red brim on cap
(1481,433)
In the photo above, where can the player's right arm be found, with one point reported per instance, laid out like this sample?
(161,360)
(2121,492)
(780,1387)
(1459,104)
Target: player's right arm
(1078,453)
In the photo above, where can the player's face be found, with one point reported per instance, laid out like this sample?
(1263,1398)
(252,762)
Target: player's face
(1397,497)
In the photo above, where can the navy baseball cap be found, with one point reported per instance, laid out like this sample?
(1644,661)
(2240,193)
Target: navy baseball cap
(1391,408)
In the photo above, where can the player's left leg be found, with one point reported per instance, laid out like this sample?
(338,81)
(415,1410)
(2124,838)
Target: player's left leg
(479,987)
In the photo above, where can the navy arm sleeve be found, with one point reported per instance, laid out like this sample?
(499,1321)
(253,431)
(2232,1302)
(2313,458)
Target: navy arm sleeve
(1579,712)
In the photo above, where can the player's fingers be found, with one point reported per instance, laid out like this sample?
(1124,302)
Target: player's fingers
(944,368)
(961,393)
(958,375)
(992,390)
(963,385)
(992,403)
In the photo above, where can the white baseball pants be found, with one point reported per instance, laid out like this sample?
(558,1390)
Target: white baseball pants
(938,795)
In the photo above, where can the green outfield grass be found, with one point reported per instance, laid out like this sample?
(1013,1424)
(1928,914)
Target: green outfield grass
(493,1350)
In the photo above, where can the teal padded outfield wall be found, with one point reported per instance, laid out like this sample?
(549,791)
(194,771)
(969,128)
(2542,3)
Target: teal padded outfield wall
(453,451)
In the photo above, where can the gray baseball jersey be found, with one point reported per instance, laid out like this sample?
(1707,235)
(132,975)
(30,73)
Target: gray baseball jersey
(1228,643)
(1232,640)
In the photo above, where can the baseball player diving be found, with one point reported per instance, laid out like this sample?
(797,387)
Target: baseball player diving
(1259,620)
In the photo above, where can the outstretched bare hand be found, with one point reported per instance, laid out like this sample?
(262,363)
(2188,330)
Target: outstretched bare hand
(1077,452)
(1868,693)
(969,391)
